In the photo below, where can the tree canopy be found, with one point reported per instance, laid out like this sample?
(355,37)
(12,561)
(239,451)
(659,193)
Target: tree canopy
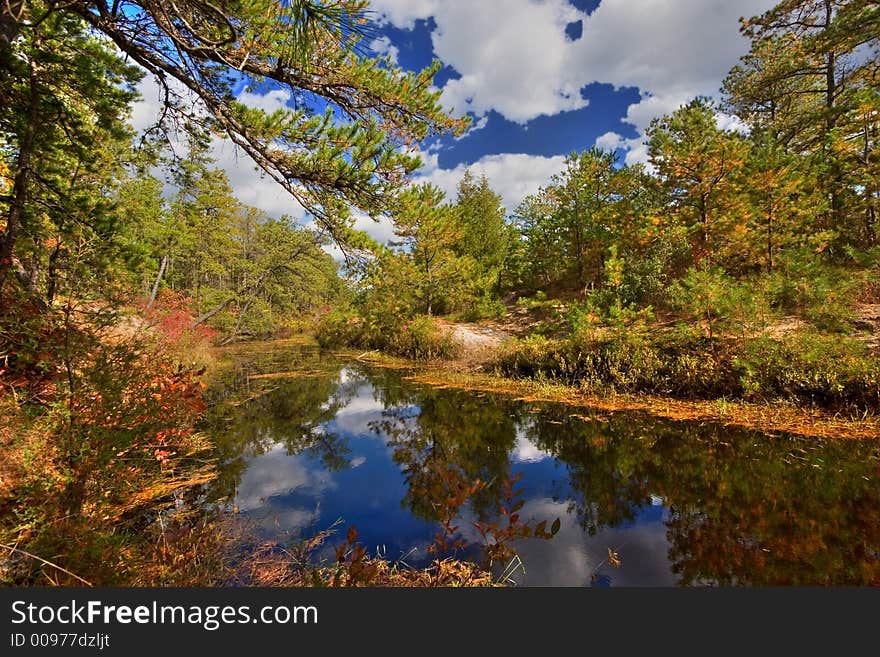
(345,143)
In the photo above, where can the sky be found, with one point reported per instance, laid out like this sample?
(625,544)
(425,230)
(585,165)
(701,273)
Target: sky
(539,79)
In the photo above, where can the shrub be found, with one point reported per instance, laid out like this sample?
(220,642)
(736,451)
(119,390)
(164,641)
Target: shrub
(823,370)
(421,339)
(340,328)
(807,368)
(820,294)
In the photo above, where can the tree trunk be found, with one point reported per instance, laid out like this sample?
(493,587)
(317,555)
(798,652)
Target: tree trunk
(253,289)
(237,327)
(204,317)
(74,496)
(837,209)
(52,274)
(15,216)
(162,266)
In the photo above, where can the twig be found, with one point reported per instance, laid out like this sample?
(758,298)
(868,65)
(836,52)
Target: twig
(47,562)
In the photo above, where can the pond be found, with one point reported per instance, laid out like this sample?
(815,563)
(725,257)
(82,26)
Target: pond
(307,440)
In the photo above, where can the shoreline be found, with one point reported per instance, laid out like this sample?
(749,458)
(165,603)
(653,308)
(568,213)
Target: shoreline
(769,417)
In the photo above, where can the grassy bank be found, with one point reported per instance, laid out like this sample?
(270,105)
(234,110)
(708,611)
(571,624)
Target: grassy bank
(767,416)
(419,338)
(813,370)
(97,433)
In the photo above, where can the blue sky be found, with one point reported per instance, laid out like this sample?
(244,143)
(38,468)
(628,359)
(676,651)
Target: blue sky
(539,78)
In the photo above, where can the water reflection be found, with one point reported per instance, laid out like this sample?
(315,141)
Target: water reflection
(681,503)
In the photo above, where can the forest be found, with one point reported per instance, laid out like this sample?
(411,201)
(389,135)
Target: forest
(740,262)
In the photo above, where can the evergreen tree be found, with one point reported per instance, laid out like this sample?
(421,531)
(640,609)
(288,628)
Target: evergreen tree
(430,233)
(485,233)
(808,79)
(64,141)
(698,164)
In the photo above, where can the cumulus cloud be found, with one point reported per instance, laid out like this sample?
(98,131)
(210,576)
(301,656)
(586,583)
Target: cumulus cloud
(517,59)
(268,102)
(383,47)
(276,473)
(509,60)
(403,13)
(609,141)
(512,175)
(509,56)
(573,555)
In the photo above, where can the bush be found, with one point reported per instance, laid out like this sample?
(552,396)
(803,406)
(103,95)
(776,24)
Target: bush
(340,328)
(483,307)
(807,368)
(421,339)
(823,370)
(818,293)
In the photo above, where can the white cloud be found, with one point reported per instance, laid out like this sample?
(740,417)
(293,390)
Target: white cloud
(250,185)
(512,175)
(525,451)
(573,556)
(515,58)
(403,13)
(609,141)
(383,47)
(269,102)
(509,59)
(276,473)
(479,124)
(509,54)
(731,122)
(146,110)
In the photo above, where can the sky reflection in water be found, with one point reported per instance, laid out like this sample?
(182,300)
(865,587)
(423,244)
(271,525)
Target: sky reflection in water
(681,503)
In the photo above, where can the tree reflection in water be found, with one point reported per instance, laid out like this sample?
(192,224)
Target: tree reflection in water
(741,507)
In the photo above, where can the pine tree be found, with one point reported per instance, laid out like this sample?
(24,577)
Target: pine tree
(346,141)
(811,66)
(65,99)
(697,164)
(430,232)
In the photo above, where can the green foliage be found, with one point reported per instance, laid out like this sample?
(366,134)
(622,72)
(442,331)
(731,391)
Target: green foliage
(697,164)
(430,232)
(485,239)
(63,144)
(807,368)
(807,82)
(340,327)
(811,368)
(245,273)
(566,228)
(349,155)
(713,300)
(482,307)
(421,339)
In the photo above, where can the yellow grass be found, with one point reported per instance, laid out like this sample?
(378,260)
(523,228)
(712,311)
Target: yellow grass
(771,417)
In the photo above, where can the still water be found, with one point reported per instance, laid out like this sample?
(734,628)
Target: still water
(307,439)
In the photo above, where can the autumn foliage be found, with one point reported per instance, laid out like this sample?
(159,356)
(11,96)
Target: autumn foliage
(95,426)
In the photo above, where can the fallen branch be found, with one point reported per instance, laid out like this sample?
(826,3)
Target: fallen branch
(47,562)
